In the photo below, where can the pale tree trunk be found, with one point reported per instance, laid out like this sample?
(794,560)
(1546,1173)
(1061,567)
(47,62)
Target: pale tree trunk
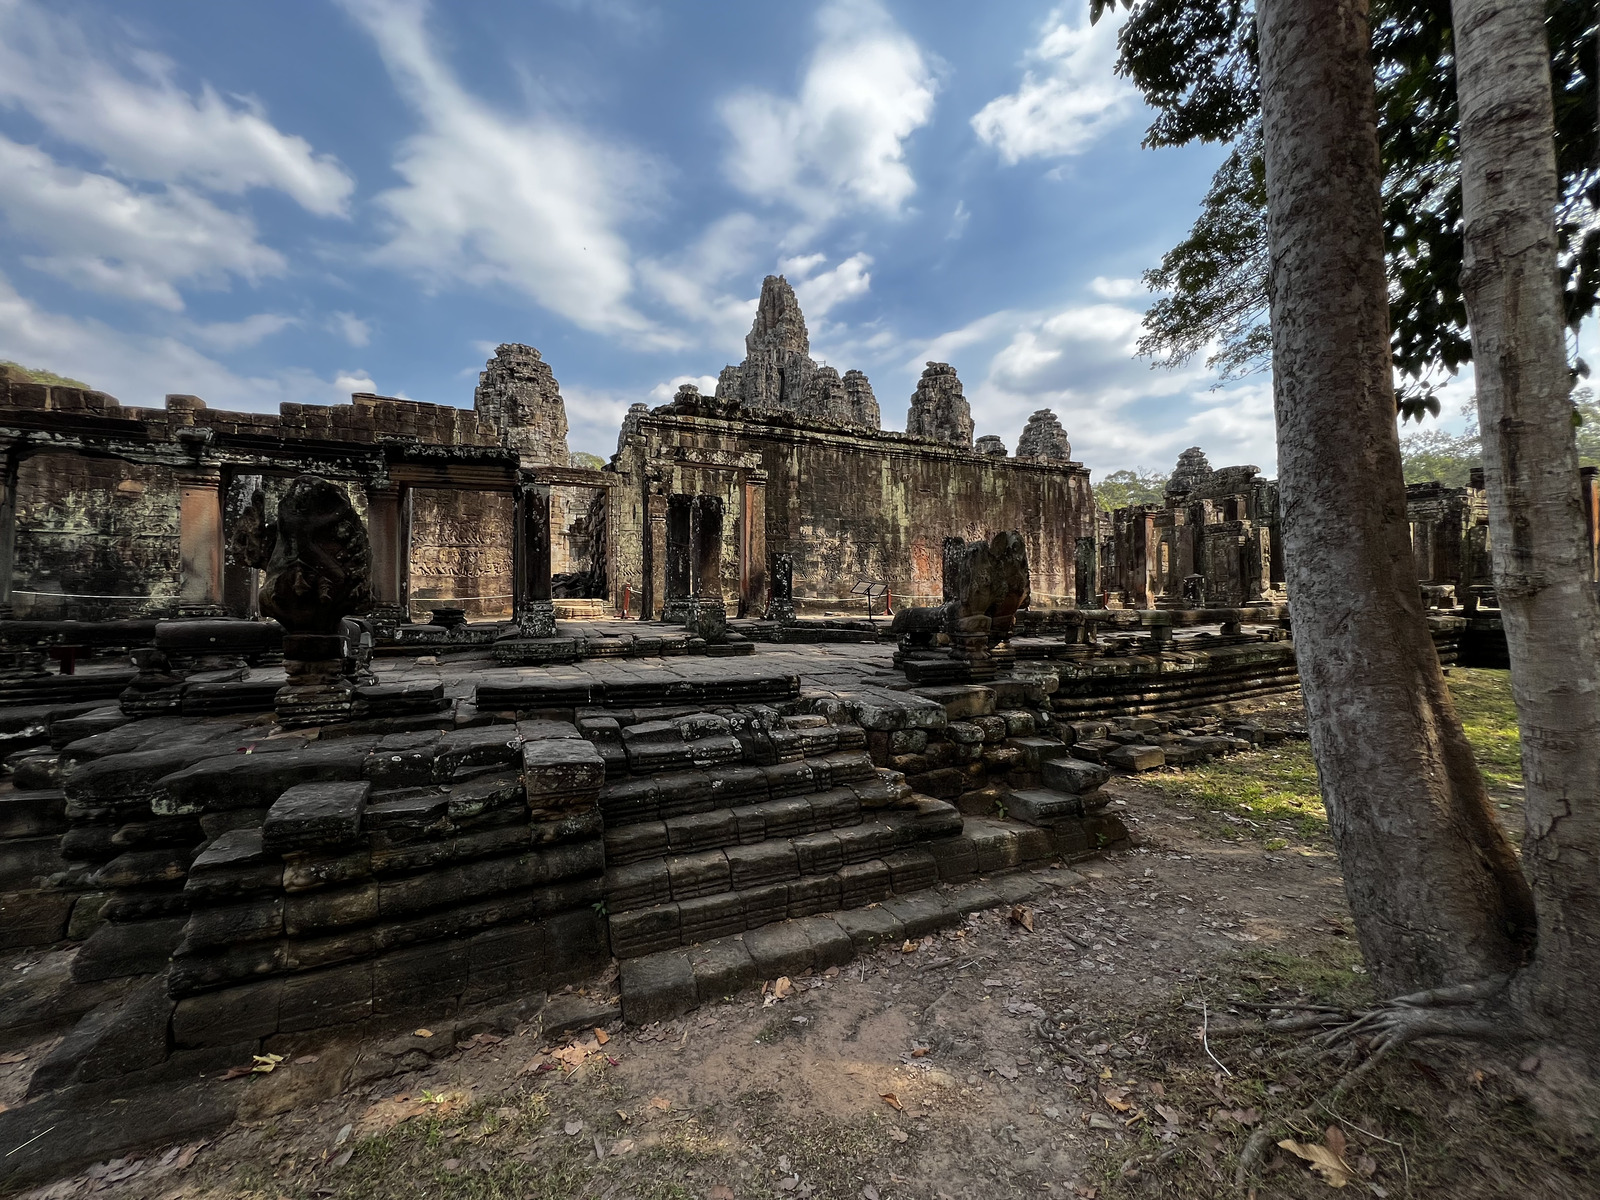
(1432,881)
(1550,609)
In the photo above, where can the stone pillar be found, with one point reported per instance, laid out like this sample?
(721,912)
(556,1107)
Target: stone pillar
(200,543)
(753,544)
(530,547)
(655,593)
(781,607)
(1086,573)
(8,529)
(391,559)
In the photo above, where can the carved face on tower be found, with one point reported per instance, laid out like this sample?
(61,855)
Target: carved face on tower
(320,570)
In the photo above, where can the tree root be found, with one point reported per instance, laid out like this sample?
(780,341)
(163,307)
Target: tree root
(1465,1012)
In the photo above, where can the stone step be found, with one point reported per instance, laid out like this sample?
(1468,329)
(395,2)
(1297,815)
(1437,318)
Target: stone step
(685,923)
(752,821)
(984,846)
(850,838)
(669,794)
(668,983)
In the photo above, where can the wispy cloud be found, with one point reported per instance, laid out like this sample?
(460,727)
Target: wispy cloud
(525,202)
(125,107)
(103,235)
(1069,95)
(141,370)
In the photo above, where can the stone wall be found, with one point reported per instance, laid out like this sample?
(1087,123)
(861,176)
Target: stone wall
(849,505)
(461,551)
(93,528)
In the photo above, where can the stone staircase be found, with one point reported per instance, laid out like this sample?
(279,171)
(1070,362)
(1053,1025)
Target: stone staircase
(744,844)
(718,825)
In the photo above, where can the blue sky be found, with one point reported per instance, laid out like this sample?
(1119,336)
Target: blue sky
(292,201)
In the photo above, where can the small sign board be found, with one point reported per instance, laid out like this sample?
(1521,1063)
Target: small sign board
(870,591)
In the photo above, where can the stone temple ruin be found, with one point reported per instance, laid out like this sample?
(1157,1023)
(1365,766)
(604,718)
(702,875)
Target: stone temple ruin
(326,723)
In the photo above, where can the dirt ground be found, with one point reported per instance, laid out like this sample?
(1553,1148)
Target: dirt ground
(1055,1050)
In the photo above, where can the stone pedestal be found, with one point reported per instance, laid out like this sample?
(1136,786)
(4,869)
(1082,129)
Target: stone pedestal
(706,618)
(781,607)
(535,619)
(319,691)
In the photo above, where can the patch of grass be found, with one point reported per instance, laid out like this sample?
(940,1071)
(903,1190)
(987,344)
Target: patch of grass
(1272,794)
(1268,793)
(1483,700)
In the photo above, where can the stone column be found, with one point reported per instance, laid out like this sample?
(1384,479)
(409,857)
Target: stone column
(533,613)
(8,529)
(200,548)
(781,606)
(1086,573)
(753,543)
(655,593)
(390,555)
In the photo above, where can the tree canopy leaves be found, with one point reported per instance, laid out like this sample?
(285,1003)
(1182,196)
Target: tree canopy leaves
(1195,62)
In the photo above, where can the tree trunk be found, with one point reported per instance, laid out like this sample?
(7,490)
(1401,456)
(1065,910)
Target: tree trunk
(1433,882)
(1550,609)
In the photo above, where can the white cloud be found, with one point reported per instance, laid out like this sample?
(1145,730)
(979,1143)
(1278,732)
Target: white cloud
(351,382)
(663,393)
(145,126)
(820,293)
(529,203)
(141,370)
(236,335)
(839,145)
(1079,361)
(594,418)
(353,329)
(102,235)
(1069,95)
(1116,289)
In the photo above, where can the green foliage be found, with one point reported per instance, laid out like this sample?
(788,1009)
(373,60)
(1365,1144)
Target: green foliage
(1436,456)
(1195,62)
(1123,488)
(16,371)
(582,458)
(1586,416)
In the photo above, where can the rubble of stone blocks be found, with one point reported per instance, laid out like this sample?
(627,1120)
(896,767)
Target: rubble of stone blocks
(281,884)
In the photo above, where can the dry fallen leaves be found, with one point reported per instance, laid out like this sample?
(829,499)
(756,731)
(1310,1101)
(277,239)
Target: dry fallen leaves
(1116,1098)
(1326,1160)
(1022,915)
(601,1036)
(893,1101)
(660,1103)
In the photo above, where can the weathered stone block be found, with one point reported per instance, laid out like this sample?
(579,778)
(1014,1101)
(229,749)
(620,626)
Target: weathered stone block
(710,917)
(722,967)
(137,949)
(702,874)
(761,864)
(1073,775)
(657,988)
(864,883)
(1137,758)
(332,996)
(1041,807)
(240,1013)
(814,894)
(558,769)
(780,949)
(316,912)
(869,927)
(644,930)
(316,815)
